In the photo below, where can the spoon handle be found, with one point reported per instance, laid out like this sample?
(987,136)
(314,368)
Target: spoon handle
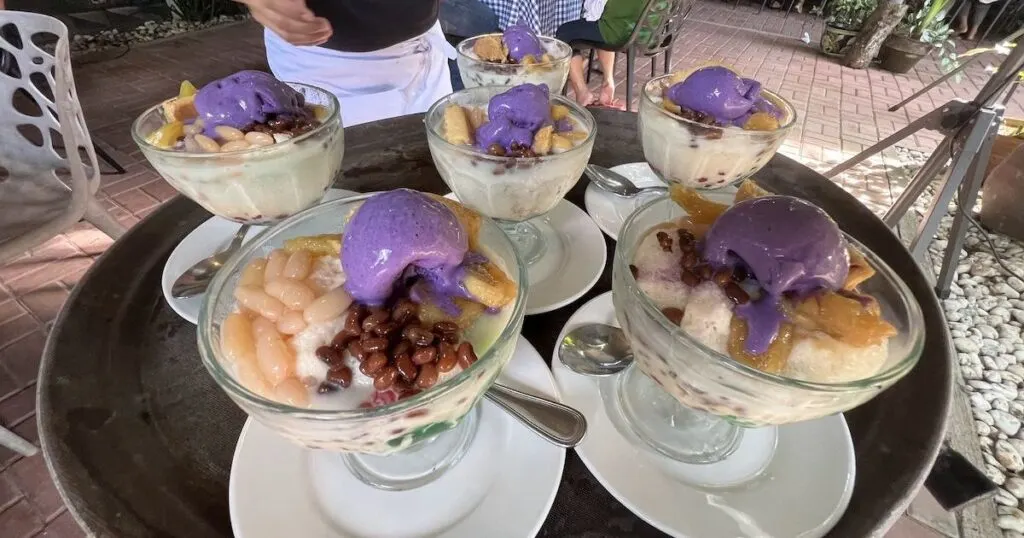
(559,424)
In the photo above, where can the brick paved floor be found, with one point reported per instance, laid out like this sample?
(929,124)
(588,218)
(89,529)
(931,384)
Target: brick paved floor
(841,111)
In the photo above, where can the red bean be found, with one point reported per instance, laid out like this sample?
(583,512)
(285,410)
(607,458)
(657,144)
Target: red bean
(373,364)
(406,367)
(424,355)
(466,355)
(427,377)
(340,376)
(448,358)
(385,378)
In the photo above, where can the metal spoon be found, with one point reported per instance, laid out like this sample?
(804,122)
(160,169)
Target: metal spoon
(198,277)
(616,183)
(557,423)
(595,349)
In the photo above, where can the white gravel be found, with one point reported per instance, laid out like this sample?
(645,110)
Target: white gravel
(985,313)
(150,31)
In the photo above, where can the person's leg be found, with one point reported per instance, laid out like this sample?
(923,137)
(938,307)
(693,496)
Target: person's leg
(578,81)
(960,23)
(977,17)
(575,32)
(462,19)
(607,60)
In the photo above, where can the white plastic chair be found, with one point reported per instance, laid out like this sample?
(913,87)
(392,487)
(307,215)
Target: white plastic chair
(39,117)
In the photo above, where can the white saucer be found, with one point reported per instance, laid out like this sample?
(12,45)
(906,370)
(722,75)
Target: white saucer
(610,211)
(208,238)
(803,492)
(503,487)
(575,258)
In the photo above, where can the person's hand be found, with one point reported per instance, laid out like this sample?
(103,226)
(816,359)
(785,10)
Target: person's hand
(290,19)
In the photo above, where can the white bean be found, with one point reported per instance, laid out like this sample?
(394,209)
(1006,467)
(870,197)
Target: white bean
(299,264)
(275,357)
(228,133)
(328,306)
(291,322)
(236,339)
(259,139)
(252,275)
(314,285)
(294,294)
(292,392)
(275,265)
(250,376)
(194,128)
(262,329)
(206,143)
(234,145)
(258,301)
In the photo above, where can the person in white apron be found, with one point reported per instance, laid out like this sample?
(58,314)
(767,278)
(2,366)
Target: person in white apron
(381,58)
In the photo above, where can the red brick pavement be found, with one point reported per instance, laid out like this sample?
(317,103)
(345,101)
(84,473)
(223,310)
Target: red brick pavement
(841,111)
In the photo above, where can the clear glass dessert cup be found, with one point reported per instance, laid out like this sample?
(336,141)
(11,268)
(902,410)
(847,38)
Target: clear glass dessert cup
(259,185)
(694,405)
(476,72)
(398,446)
(515,191)
(699,156)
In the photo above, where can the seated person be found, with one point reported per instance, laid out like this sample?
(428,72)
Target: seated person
(611,29)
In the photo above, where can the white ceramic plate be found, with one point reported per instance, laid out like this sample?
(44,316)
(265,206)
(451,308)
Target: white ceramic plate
(610,211)
(503,487)
(802,493)
(574,260)
(207,239)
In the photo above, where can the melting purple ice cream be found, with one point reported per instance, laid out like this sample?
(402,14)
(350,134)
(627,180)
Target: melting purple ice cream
(515,116)
(521,42)
(245,98)
(722,94)
(788,246)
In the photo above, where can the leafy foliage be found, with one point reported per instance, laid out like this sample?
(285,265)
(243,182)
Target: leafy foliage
(928,25)
(204,10)
(848,14)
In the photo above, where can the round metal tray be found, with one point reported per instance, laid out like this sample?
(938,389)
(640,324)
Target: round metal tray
(140,439)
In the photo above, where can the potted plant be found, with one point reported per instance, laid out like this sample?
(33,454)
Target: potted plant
(920,32)
(843,19)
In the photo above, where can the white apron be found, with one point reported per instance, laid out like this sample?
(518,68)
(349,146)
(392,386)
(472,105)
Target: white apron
(402,79)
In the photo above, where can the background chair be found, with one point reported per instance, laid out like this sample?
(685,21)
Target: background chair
(653,35)
(45,187)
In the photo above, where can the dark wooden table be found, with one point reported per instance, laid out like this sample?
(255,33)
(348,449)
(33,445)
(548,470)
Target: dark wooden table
(141,439)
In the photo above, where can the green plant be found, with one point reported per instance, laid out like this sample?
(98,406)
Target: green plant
(848,14)
(204,10)
(928,25)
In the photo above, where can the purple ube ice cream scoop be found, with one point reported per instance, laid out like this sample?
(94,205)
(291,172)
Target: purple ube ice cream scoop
(722,94)
(515,116)
(503,133)
(521,42)
(788,245)
(394,230)
(244,98)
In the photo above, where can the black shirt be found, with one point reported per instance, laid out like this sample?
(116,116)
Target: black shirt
(368,25)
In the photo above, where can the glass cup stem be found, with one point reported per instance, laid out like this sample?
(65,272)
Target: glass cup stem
(419,464)
(674,430)
(527,238)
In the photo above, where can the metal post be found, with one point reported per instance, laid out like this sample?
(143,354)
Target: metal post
(968,195)
(916,187)
(931,120)
(963,65)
